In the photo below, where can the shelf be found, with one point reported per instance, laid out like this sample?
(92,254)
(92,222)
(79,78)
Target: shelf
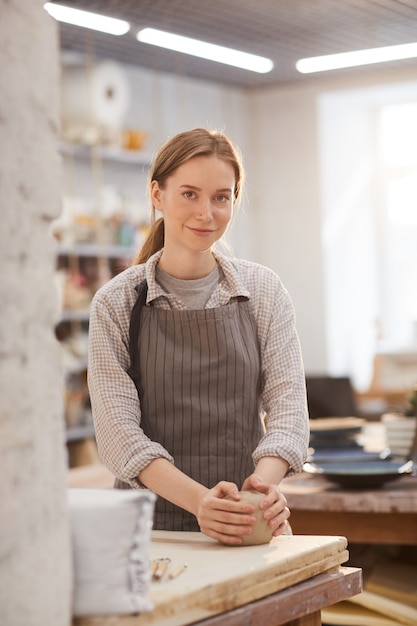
(95,250)
(70,315)
(134,157)
(78,367)
(79,433)
(88,253)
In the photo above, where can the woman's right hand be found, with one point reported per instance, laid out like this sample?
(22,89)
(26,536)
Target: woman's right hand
(222,516)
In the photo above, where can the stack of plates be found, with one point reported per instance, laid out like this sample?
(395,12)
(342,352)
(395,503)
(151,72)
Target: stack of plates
(400,432)
(337,454)
(333,433)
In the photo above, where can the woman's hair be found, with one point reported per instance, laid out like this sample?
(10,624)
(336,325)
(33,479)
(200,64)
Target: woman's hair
(177,150)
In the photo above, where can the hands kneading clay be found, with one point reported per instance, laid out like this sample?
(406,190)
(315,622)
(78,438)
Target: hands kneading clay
(261,532)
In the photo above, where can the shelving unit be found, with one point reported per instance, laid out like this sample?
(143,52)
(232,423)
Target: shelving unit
(106,153)
(94,250)
(100,229)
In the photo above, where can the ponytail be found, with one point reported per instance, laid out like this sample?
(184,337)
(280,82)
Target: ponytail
(153,242)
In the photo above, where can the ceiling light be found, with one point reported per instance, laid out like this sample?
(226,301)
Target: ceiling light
(357,57)
(205,50)
(86,19)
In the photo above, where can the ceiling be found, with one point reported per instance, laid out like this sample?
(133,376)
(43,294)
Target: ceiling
(283,30)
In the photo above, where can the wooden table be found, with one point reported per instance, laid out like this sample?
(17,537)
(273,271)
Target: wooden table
(299,605)
(387,515)
(286,582)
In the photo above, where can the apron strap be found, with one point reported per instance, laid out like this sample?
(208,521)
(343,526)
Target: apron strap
(134,370)
(134,327)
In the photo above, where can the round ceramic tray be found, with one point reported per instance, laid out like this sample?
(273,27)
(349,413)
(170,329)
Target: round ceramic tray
(361,474)
(346,455)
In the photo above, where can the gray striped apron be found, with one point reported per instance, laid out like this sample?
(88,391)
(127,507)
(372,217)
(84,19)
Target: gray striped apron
(198,377)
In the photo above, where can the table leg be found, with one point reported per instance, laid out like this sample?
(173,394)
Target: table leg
(314,619)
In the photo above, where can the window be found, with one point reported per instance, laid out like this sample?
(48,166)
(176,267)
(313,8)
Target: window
(397,216)
(368,176)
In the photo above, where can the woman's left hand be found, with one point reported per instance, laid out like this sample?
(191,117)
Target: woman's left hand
(274,504)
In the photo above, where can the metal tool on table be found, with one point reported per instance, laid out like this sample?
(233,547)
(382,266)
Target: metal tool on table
(159,568)
(177,570)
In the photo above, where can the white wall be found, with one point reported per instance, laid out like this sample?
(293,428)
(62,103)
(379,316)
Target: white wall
(285,202)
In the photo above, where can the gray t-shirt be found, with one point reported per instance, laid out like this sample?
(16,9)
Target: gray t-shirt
(193,293)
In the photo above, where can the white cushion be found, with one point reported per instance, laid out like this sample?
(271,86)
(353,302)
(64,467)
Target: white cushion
(111,535)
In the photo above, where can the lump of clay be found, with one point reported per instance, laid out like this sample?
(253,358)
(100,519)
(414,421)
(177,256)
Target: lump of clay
(261,533)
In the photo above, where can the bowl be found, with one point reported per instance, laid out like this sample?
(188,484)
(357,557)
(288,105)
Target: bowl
(361,475)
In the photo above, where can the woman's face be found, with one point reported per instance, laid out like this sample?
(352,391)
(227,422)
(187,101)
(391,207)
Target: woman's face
(196,202)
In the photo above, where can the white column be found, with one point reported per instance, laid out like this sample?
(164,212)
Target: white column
(35,575)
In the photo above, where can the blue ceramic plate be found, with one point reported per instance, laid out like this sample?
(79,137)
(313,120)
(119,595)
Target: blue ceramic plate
(346,455)
(331,433)
(360,475)
(346,442)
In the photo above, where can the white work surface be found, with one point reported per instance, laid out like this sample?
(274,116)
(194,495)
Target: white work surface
(220,578)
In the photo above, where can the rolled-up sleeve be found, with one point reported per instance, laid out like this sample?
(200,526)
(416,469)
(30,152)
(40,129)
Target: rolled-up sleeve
(283,381)
(122,445)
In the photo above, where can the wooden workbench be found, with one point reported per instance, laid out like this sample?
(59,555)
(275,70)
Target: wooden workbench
(387,515)
(287,582)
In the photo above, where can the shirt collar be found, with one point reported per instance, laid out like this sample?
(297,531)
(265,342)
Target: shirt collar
(231,284)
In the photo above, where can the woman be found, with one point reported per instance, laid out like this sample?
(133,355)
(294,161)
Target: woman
(195,372)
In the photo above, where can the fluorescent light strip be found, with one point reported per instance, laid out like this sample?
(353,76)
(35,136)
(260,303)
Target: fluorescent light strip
(205,50)
(356,58)
(85,19)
